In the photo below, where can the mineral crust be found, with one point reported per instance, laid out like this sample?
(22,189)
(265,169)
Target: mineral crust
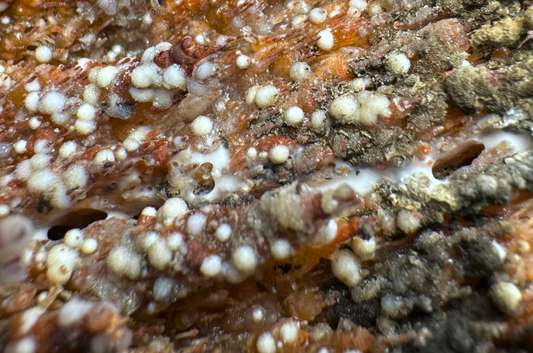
(266,176)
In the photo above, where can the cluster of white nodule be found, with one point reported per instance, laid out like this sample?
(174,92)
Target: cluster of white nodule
(33,88)
(165,248)
(263,96)
(51,103)
(61,108)
(346,262)
(363,107)
(114,53)
(150,83)
(162,252)
(302,12)
(244,260)
(28,319)
(212,265)
(42,178)
(125,261)
(62,259)
(168,252)
(86,119)
(71,313)
(287,336)
(135,138)
(101,78)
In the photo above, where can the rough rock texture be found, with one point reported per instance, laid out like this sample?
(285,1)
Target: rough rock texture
(250,176)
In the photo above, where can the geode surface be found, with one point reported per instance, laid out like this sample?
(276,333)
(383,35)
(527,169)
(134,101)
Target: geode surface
(317,176)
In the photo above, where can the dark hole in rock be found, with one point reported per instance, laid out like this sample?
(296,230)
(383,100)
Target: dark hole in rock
(206,183)
(77,219)
(457,159)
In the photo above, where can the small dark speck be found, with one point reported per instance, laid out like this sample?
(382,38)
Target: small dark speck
(44,206)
